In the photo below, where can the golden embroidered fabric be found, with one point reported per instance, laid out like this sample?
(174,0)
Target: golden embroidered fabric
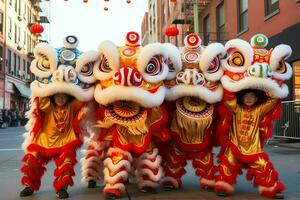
(244,132)
(56,129)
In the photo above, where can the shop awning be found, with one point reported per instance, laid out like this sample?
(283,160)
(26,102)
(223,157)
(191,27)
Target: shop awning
(24,91)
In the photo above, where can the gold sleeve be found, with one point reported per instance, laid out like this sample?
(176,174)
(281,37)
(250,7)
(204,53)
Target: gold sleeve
(267,106)
(44,104)
(231,105)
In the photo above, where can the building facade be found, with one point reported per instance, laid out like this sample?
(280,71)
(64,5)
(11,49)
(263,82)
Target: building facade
(145,30)
(17,43)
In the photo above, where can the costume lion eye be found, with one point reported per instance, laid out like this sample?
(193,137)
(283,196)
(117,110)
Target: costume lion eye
(214,66)
(281,69)
(43,64)
(154,66)
(104,65)
(87,69)
(236,59)
(170,65)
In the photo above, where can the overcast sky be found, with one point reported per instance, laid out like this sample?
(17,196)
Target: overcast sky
(91,24)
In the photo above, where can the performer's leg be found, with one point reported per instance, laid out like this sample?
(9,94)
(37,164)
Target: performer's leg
(33,170)
(63,173)
(116,168)
(92,163)
(149,171)
(203,163)
(228,170)
(174,162)
(266,178)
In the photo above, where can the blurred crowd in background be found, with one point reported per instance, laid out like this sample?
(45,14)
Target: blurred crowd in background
(12,118)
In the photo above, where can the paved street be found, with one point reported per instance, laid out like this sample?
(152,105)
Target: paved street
(286,160)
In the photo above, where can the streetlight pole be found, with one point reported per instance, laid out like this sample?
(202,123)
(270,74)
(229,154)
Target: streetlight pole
(4,50)
(196,18)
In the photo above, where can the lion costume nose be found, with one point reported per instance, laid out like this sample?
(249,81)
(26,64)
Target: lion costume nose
(65,74)
(190,77)
(260,70)
(126,76)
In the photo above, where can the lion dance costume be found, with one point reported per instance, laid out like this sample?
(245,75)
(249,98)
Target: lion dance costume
(53,131)
(193,88)
(130,93)
(251,66)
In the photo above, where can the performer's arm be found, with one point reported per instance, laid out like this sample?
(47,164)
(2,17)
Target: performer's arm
(267,106)
(44,104)
(230,101)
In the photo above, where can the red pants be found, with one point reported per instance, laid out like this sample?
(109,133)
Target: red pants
(260,170)
(34,168)
(174,161)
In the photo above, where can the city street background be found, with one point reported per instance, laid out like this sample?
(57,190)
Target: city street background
(285,157)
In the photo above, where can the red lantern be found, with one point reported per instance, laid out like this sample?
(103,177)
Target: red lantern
(172,31)
(173,1)
(36,29)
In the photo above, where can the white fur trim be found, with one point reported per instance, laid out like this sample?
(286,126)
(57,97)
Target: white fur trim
(262,189)
(147,155)
(118,186)
(153,165)
(119,93)
(150,174)
(269,86)
(175,57)
(69,45)
(281,52)
(207,95)
(208,182)
(91,169)
(110,165)
(223,184)
(144,57)
(287,75)
(169,179)
(85,58)
(45,90)
(245,48)
(113,179)
(114,150)
(110,51)
(144,183)
(28,135)
(48,51)
(208,55)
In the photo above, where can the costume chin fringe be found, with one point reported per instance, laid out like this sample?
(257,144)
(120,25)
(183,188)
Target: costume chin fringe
(54,151)
(188,126)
